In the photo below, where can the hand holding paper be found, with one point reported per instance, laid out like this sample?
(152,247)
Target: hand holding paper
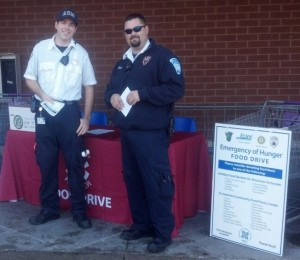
(52,108)
(127,106)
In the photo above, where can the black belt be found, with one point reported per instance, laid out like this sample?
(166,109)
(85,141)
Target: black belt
(71,102)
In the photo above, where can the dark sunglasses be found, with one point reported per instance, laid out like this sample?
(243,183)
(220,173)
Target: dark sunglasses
(135,29)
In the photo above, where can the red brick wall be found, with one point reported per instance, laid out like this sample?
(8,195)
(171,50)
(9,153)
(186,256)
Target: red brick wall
(232,50)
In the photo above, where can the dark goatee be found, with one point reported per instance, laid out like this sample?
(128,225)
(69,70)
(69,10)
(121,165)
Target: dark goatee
(136,43)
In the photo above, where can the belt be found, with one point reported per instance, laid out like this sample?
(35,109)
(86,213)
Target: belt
(71,102)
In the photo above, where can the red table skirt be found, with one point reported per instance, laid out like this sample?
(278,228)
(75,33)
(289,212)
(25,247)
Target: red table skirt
(106,192)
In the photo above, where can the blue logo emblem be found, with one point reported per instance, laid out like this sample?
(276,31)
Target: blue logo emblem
(176,65)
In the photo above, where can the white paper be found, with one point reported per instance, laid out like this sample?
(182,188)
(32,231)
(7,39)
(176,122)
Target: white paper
(52,108)
(99,131)
(127,106)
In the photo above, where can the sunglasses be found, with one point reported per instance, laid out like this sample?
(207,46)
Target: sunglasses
(135,29)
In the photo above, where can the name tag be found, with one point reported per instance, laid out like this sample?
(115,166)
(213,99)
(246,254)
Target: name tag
(41,120)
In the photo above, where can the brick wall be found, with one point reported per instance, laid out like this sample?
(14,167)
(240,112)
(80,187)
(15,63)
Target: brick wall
(232,50)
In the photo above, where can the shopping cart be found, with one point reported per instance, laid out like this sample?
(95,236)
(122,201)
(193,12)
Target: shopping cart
(286,115)
(207,115)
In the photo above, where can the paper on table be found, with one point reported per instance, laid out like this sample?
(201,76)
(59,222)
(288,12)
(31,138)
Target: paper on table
(99,131)
(127,107)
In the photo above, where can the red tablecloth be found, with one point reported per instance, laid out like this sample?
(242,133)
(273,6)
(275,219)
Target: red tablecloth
(106,192)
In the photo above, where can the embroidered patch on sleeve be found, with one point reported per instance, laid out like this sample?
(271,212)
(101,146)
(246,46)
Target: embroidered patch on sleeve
(176,65)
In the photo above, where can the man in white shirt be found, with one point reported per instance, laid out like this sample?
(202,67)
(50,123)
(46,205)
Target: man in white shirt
(57,71)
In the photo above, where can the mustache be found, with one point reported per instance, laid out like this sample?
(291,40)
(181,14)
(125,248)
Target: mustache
(134,36)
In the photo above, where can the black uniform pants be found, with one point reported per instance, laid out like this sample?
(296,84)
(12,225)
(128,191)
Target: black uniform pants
(59,133)
(148,180)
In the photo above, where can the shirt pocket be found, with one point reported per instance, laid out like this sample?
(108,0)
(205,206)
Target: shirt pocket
(47,71)
(72,75)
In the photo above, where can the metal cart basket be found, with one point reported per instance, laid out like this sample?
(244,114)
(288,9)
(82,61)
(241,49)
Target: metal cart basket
(282,114)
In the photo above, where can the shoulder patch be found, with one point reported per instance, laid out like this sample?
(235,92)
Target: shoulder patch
(176,65)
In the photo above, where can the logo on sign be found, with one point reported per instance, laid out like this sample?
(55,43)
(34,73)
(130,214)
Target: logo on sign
(228,136)
(261,140)
(244,137)
(274,140)
(18,122)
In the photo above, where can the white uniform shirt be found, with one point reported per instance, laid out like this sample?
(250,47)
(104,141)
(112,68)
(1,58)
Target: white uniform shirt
(57,80)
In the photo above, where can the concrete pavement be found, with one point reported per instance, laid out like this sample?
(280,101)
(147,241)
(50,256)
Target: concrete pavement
(62,239)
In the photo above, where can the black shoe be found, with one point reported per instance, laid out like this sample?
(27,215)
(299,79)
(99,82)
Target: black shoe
(43,217)
(158,245)
(133,234)
(82,221)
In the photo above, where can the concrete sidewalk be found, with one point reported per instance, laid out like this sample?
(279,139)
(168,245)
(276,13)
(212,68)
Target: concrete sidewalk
(62,239)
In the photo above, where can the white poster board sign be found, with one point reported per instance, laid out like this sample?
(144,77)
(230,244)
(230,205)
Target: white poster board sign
(21,119)
(249,190)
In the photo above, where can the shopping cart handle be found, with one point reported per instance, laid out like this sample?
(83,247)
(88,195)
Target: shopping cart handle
(278,102)
(292,102)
